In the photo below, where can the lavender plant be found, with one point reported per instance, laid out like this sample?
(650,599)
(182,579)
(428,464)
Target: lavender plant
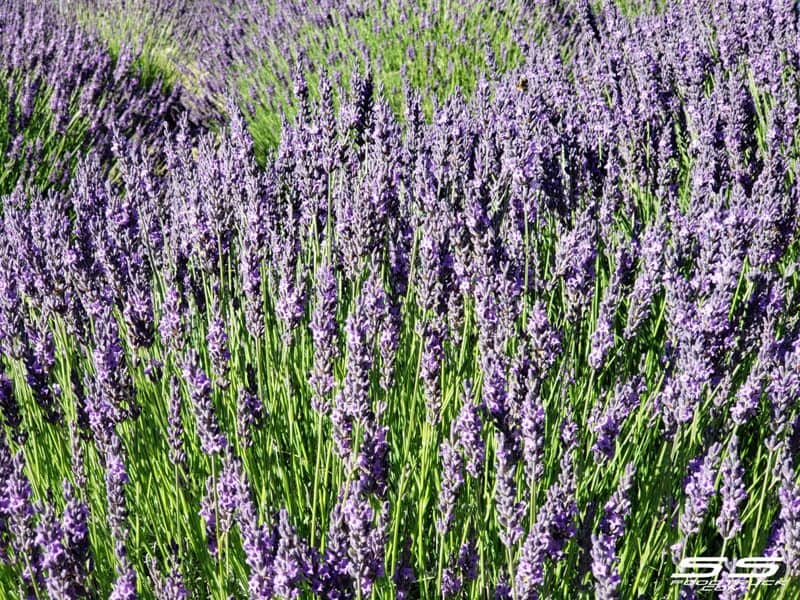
(542,345)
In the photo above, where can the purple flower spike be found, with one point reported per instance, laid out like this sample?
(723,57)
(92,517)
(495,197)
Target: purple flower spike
(169,587)
(466,433)
(324,332)
(605,563)
(732,491)
(787,540)
(124,587)
(553,527)
(405,580)
(607,424)
(177,455)
(212,441)
(218,350)
(509,511)
(249,410)
(452,480)
(699,489)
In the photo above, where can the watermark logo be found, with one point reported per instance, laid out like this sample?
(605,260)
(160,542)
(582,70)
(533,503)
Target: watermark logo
(706,571)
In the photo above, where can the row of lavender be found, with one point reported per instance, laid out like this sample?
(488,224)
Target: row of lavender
(65,92)
(545,345)
(249,49)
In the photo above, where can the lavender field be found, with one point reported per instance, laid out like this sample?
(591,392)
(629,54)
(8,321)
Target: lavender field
(399,299)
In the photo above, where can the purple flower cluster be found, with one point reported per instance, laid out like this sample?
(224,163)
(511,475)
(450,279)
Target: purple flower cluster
(732,491)
(607,424)
(605,567)
(553,528)
(465,450)
(620,213)
(699,488)
(324,330)
(212,440)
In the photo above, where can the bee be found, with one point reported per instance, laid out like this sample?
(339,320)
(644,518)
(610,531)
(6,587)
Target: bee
(522,84)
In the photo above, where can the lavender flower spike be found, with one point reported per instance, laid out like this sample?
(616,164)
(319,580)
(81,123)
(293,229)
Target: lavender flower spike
(212,440)
(699,489)
(732,491)
(324,331)
(605,567)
